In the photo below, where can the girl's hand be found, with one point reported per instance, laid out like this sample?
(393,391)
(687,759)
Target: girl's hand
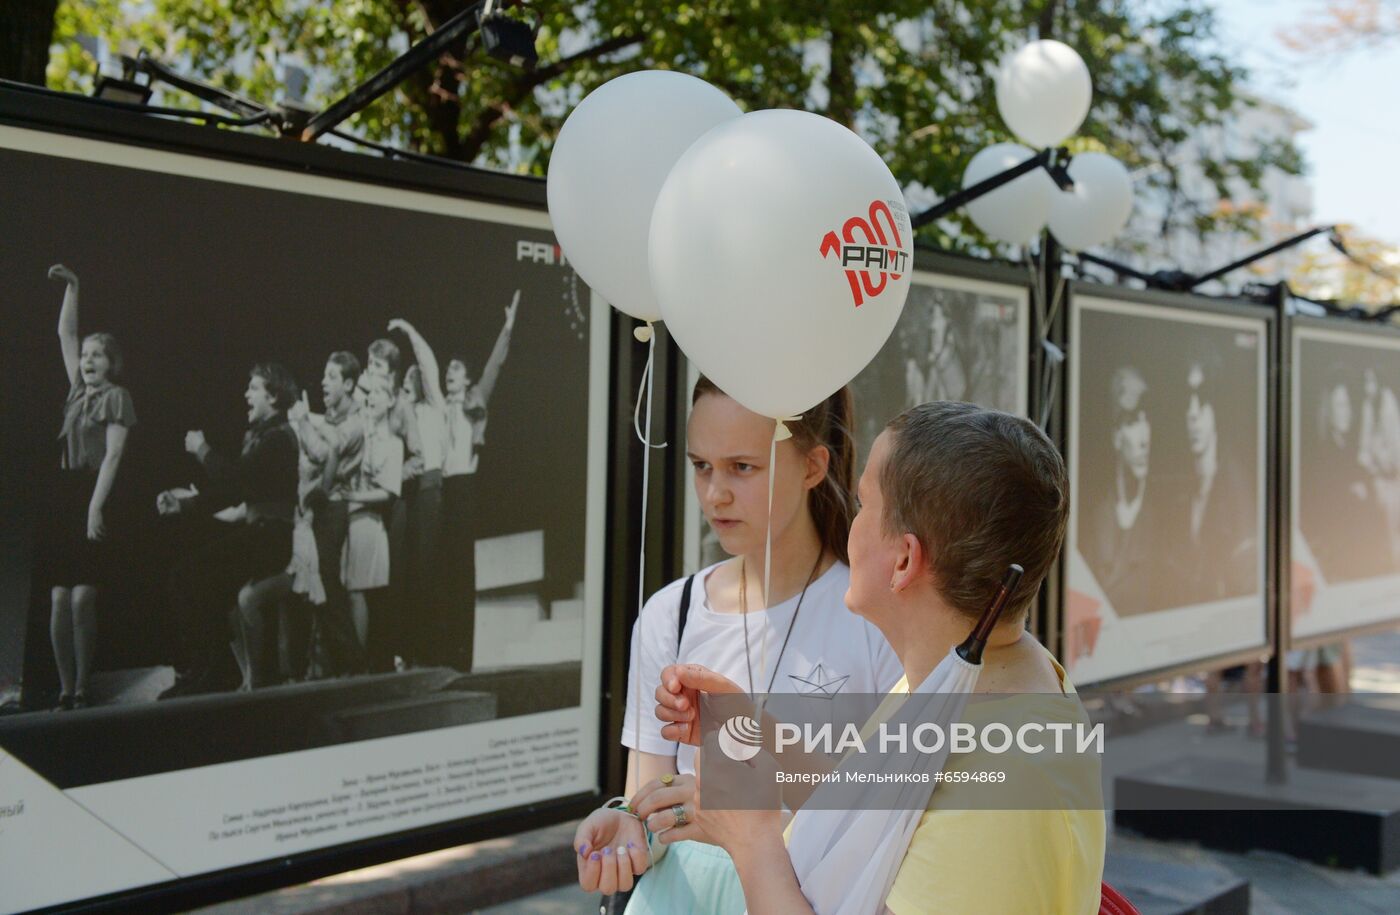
(96,530)
(612,851)
(60,272)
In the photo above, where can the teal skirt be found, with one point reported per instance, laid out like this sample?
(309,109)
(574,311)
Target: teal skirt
(692,878)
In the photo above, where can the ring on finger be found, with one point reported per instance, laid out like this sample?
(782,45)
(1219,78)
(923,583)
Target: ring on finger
(667,779)
(678,812)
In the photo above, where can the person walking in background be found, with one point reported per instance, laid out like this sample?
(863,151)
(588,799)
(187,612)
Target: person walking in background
(97,417)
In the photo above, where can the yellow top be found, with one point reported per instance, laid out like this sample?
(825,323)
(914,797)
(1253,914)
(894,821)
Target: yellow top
(1023,861)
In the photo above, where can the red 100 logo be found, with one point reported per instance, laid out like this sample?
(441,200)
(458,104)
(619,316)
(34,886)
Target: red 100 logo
(874,255)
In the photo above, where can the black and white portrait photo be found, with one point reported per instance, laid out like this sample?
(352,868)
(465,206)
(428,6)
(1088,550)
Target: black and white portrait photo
(1168,462)
(957,339)
(1346,478)
(298,463)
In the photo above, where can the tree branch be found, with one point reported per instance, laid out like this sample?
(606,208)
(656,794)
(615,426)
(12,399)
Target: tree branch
(524,84)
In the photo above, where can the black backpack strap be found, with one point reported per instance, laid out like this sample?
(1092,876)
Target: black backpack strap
(685,611)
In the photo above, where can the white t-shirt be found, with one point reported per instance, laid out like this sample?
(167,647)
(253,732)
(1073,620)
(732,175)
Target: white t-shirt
(831,650)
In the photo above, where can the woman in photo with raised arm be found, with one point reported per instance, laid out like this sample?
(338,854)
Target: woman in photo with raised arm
(423,628)
(805,642)
(466,403)
(97,417)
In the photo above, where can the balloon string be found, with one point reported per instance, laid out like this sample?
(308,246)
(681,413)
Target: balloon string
(778,429)
(647,381)
(645,388)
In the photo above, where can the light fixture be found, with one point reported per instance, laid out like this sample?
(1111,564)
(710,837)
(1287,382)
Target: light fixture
(116,89)
(124,88)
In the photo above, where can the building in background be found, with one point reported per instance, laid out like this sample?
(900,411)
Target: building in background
(1163,232)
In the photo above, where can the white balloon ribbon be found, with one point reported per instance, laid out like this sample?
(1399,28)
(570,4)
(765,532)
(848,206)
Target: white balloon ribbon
(644,393)
(646,334)
(780,433)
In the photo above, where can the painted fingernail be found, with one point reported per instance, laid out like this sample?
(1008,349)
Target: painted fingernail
(631,845)
(607,852)
(583,849)
(593,857)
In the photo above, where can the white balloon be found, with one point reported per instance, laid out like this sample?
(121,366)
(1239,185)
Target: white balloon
(1098,207)
(609,161)
(780,252)
(1019,209)
(1043,92)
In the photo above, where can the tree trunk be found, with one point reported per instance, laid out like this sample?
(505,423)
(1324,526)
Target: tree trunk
(26,28)
(1045,24)
(841,78)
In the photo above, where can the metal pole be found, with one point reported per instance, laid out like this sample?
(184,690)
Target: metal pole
(462,24)
(1258,255)
(1276,765)
(952,202)
(1116,267)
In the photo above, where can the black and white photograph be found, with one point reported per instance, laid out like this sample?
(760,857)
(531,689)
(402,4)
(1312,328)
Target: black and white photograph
(957,339)
(1346,479)
(296,463)
(1168,464)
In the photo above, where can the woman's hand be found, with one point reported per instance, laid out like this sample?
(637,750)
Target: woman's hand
(400,324)
(96,530)
(194,441)
(612,851)
(60,272)
(736,831)
(678,699)
(656,803)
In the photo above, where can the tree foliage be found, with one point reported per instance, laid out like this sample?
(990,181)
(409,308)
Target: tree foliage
(1370,277)
(1340,26)
(915,77)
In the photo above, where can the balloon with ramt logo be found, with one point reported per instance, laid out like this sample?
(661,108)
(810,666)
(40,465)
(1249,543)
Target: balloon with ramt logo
(608,163)
(1043,92)
(780,254)
(1098,206)
(1019,209)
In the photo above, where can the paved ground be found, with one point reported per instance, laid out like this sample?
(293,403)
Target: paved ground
(566,900)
